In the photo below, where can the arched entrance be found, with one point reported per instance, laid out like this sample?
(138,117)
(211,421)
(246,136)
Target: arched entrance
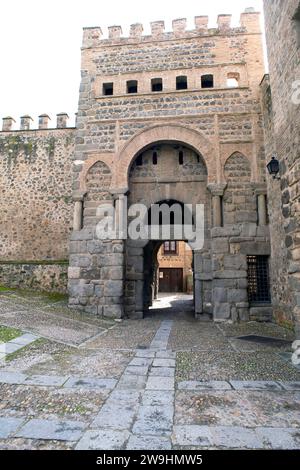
(163,173)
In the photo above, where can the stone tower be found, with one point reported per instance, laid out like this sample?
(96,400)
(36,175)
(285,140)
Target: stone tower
(173,116)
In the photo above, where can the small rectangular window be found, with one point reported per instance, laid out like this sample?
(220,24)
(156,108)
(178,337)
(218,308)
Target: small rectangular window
(207,81)
(156,84)
(258,280)
(108,89)
(170,248)
(181,83)
(132,86)
(233,80)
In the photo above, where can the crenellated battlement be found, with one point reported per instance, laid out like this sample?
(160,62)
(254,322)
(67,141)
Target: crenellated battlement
(249,24)
(26,122)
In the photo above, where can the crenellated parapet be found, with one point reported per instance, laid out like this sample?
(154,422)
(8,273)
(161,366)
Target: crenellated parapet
(249,24)
(26,122)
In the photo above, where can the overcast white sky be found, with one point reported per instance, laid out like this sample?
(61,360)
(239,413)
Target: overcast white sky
(40,44)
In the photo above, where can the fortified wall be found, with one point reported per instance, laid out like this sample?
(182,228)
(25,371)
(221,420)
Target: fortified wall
(36,203)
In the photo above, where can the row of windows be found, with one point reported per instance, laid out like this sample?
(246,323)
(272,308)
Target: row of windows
(139,160)
(207,81)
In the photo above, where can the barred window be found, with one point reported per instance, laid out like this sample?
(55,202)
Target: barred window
(258,279)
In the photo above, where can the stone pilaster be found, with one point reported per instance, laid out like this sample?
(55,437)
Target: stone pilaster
(217,191)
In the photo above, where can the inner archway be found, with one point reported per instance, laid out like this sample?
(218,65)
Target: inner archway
(163,174)
(168,279)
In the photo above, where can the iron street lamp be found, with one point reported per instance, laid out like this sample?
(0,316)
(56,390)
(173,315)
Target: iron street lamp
(273,167)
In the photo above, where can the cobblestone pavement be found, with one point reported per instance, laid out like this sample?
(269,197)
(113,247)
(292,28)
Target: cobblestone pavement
(165,382)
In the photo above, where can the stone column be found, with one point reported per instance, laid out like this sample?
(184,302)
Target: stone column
(120,199)
(217,191)
(262,209)
(78,210)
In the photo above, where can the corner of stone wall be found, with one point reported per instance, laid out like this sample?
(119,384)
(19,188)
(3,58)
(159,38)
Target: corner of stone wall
(96,274)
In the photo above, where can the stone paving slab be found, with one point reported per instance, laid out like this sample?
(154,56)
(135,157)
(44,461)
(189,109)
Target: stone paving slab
(280,438)
(12,377)
(57,430)
(160,383)
(25,339)
(136,370)
(255,385)
(133,382)
(162,372)
(9,348)
(154,420)
(148,443)
(292,386)
(115,415)
(106,439)
(146,353)
(230,437)
(165,355)
(45,380)
(141,362)
(164,363)
(87,382)
(9,426)
(124,396)
(157,398)
(196,385)
(192,436)
(52,326)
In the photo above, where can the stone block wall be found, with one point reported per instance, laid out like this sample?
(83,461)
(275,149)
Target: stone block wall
(39,275)
(282,131)
(36,205)
(220,129)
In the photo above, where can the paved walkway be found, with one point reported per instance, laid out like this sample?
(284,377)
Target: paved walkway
(157,383)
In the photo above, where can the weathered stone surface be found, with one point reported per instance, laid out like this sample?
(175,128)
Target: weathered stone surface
(192,436)
(195,385)
(45,380)
(157,398)
(280,438)
(104,384)
(162,371)
(231,437)
(8,426)
(52,430)
(11,377)
(143,442)
(160,383)
(163,362)
(255,385)
(103,440)
(154,420)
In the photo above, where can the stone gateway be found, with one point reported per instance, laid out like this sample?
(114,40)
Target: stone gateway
(172,117)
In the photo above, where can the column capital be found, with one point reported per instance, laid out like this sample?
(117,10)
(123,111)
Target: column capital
(217,189)
(260,189)
(78,195)
(116,192)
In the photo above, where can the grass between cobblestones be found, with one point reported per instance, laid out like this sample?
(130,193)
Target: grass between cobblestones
(7,334)
(20,352)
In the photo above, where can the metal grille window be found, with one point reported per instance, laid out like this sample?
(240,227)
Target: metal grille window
(258,279)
